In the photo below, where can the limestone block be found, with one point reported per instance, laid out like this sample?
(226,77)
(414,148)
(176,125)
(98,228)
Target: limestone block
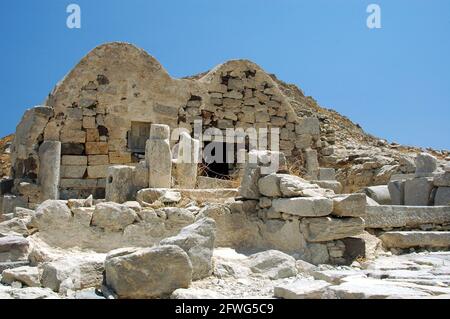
(303,141)
(249,184)
(302,289)
(140,176)
(94,160)
(96,148)
(89,122)
(72,149)
(119,158)
(353,205)
(164,195)
(327,228)
(408,239)
(78,183)
(158,155)
(335,186)
(272,264)
(72,136)
(10,202)
(167,268)
(380,194)
(119,183)
(312,163)
(417,191)
(187,161)
(49,169)
(303,206)
(92,135)
(29,276)
(99,171)
(262,117)
(425,164)
(113,216)
(73,171)
(73,160)
(442,197)
(327,174)
(13,248)
(405,216)
(397,192)
(442,180)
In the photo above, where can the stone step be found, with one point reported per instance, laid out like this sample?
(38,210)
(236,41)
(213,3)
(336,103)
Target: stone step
(411,239)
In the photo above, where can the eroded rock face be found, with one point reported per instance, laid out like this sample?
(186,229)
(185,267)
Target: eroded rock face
(147,272)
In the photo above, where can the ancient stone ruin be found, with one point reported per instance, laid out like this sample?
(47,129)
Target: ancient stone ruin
(128,183)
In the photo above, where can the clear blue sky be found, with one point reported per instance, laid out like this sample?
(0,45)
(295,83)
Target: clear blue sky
(394,81)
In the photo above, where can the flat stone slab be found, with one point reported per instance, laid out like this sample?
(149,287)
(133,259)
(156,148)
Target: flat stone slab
(303,206)
(409,239)
(302,289)
(327,228)
(405,216)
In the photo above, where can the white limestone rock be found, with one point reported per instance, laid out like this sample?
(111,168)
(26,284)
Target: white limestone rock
(302,289)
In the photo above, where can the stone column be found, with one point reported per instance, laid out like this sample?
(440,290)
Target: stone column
(159,157)
(49,169)
(187,161)
(119,184)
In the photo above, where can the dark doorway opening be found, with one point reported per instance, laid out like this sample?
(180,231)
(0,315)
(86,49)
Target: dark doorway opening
(217,160)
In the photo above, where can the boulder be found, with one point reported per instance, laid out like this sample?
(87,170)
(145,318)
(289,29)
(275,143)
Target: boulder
(112,216)
(303,206)
(147,272)
(302,289)
(73,272)
(13,248)
(272,264)
(53,214)
(197,240)
(29,276)
(442,180)
(33,293)
(353,205)
(326,228)
(425,164)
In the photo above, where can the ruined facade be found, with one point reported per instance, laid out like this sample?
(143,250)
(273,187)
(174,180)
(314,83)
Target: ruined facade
(101,112)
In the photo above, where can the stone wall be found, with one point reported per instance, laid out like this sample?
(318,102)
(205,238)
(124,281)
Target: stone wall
(105,105)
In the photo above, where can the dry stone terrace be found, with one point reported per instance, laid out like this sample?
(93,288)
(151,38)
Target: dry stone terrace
(103,202)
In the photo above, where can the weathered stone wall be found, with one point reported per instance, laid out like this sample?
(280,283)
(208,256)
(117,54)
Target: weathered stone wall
(98,106)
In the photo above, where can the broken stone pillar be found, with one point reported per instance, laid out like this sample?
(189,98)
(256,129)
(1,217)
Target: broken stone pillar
(186,164)
(312,164)
(397,192)
(49,169)
(426,164)
(119,184)
(159,157)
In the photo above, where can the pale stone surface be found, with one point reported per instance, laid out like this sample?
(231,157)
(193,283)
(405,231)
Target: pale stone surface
(379,194)
(442,197)
(147,272)
(303,206)
(405,216)
(187,161)
(334,186)
(417,191)
(13,248)
(73,272)
(326,228)
(442,180)
(204,182)
(197,240)
(327,174)
(49,169)
(397,192)
(52,213)
(272,264)
(164,195)
(159,157)
(29,276)
(119,183)
(302,289)
(353,205)
(113,216)
(312,164)
(408,239)
(425,164)
(249,184)
(195,293)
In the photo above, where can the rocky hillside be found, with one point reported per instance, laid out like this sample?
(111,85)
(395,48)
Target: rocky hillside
(5,161)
